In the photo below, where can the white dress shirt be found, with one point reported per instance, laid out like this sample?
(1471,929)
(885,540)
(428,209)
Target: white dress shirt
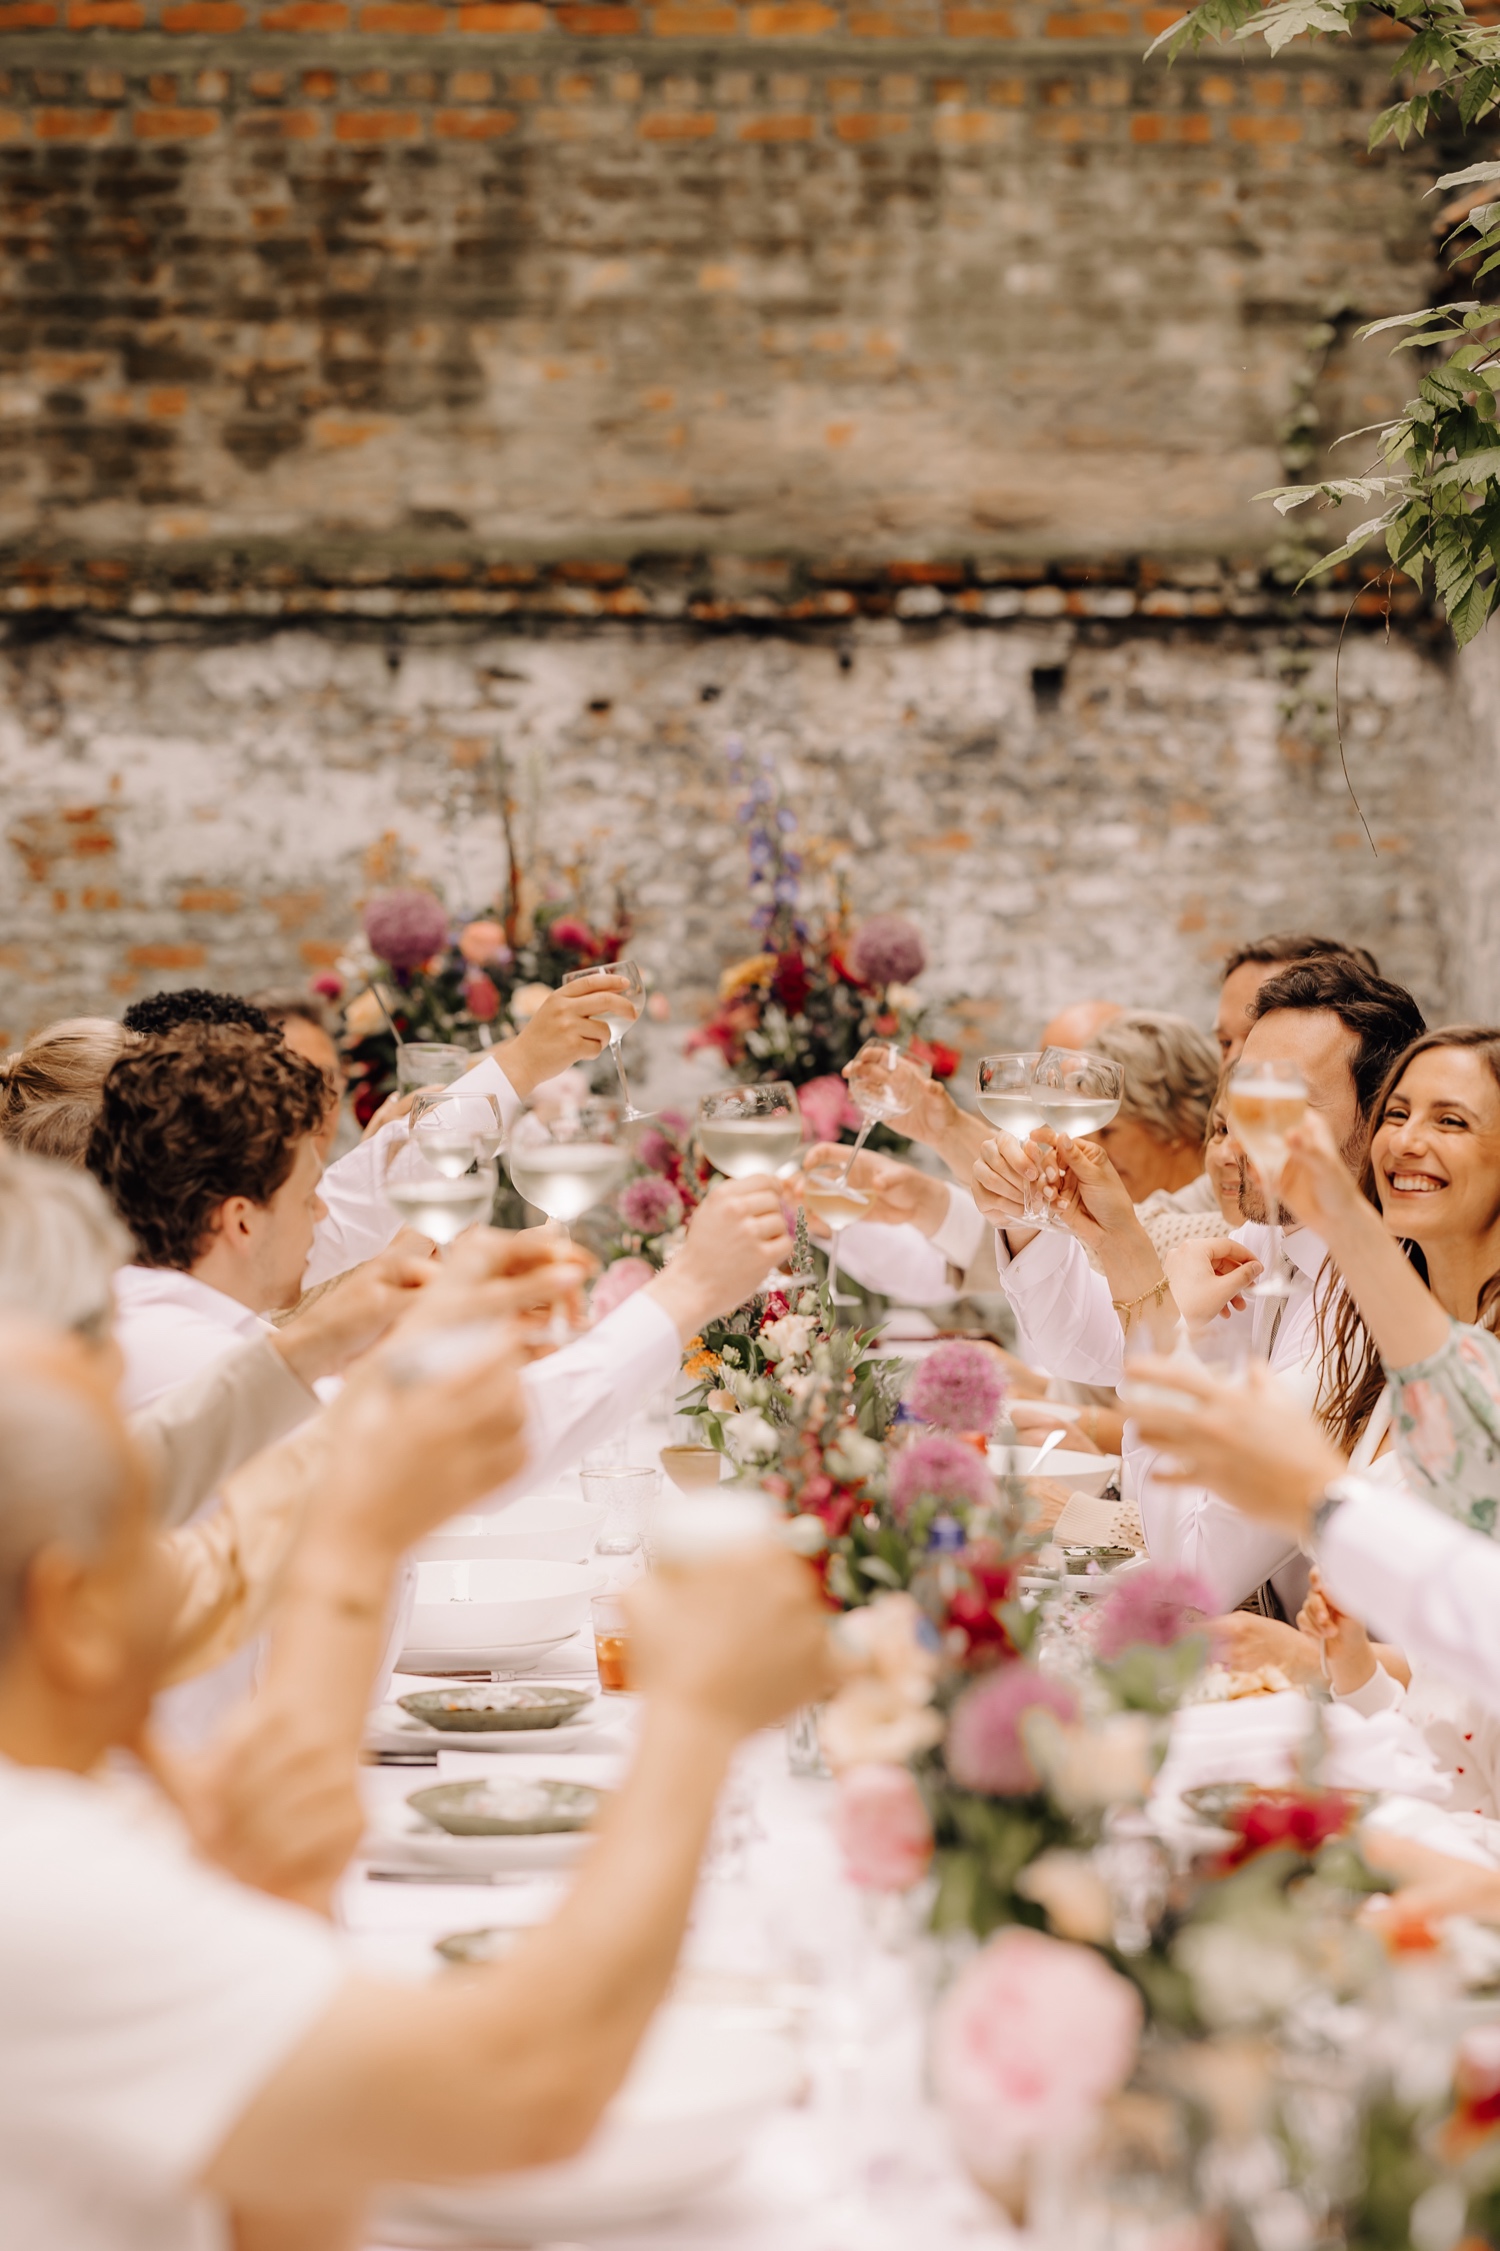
(1419,1579)
(360,1223)
(170,1327)
(903,1263)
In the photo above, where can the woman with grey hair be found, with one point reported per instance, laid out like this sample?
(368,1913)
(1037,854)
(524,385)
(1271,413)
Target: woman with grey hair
(1171,1073)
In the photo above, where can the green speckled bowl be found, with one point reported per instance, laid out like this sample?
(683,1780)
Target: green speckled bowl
(497,1807)
(495,1707)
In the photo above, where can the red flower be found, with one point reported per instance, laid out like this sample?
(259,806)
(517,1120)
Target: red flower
(839,968)
(836,1514)
(944,1060)
(791,983)
(716,1033)
(1269,1824)
(776,1306)
(366,1101)
(575,935)
(974,1609)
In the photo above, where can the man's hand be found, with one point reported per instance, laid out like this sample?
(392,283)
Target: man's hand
(1251,1441)
(1209,1278)
(393,1107)
(1244,1641)
(928,1110)
(734,1238)
(1316,1183)
(490,1275)
(742,1641)
(568,1028)
(899,1194)
(1348,1660)
(358,1309)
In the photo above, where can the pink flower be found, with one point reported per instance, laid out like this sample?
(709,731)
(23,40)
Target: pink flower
(659,1008)
(1156,1606)
(1431,1433)
(985,1751)
(331,988)
(887,950)
(826,1108)
(405,928)
(481,998)
(482,942)
(1031,2037)
(650,1206)
(570,931)
(882,1828)
(959,1385)
(938,1468)
(655,1151)
(618,1282)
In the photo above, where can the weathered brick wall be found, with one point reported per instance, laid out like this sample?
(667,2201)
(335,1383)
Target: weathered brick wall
(1067,810)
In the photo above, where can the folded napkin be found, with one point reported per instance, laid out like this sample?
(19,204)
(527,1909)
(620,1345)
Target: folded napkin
(1261,1738)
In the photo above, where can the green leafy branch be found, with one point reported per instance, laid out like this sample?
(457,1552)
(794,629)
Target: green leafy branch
(1435,478)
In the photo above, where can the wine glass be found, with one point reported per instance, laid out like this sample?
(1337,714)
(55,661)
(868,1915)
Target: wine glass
(826,1193)
(442,1186)
(875,1089)
(624,1011)
(447,1128)
(745,1130)
(1077,1093)
(1005,1090)
(569,1160)
(1263,1101)
(430,1063)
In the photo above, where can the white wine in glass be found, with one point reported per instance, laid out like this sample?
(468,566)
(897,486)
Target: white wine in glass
(1006,1093)
(1263,1101)
(1077,1092)
(450,1129)
(749,1129)
(826,1193)
(440,1206)
(566,1173)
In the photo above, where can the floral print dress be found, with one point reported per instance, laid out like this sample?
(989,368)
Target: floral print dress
(1446,1414)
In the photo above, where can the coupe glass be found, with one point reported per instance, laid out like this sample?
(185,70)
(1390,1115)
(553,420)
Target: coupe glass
(880,1087)
(745,1130)
(826,1193)
(565,1163)
(446,1129)
(1005,1090)
(430,1063)
(442,1187)
(1263,1101)
(625,1012)
(1077,1094)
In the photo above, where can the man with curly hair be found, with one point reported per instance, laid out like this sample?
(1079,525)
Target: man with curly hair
(195,1004)
(206,1143)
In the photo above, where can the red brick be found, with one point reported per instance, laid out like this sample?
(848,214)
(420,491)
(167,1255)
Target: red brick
(162,87)
(372,82)
(1263,129)
(1154,21)
(1217,93)
(473,124)
(210,902)
(979,23)
(175,124)
(113,15)
(279,125)
(1190,126)
(966,128)
(212,85)
(99,902)
(790,19)
(599,22)
(12,125)
(784,127)
(165,406)
(868,125)
(695,19)
(870,23)
(28,15)
(1089,23)
(1071,128)
(307,15)
(678,125)
(1267,90)
(166,957)
(319,85)
(403,17)
(377,125)
(505,15)
(471,86)
(204,15)
(72,124)
(268,85)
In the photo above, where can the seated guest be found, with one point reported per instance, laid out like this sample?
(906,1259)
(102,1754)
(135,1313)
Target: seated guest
(302,1021)
(194,1004)
(1155,1144)
(49,1089)
(183,2059)
(1343,1029)
(1080,1023)
(1247,969)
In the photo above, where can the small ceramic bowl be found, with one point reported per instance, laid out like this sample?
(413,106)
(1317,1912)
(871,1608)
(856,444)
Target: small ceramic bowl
(497,1807)
(495,1708)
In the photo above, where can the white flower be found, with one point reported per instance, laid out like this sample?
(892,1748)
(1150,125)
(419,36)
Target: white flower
(852,1457)
(904,997)
(1239,1979)
(1112,1763)
(879,1722)
(1074,1894)
(788,1338)
(749,1437)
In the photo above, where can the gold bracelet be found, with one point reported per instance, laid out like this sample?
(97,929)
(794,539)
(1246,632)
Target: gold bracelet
(1128,1308)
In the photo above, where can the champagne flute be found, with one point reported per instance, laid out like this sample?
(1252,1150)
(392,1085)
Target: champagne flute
(826,1193)
(1263,1101)
(442,1190)
(875,1091)
(624,1010)
(745,1130)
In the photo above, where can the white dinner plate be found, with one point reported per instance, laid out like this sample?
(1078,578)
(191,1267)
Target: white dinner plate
(512,1657)
(391,1729)
(401,1840)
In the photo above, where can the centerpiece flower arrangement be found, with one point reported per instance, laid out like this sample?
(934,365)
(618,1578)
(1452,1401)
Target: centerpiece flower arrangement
(817,987)
(417,973)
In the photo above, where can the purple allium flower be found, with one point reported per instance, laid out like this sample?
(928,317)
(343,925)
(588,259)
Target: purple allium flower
(655,1151)
(938,1468)
(650,1206)
(1156,1606)
(887,950)
(676,1122)
(405,928)
(959,1386)
(618,1282)
(985,1750)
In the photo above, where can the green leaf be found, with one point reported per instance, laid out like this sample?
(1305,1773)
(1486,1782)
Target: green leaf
(1471,469)
(1466,179)
(1407,320)
(1467,616)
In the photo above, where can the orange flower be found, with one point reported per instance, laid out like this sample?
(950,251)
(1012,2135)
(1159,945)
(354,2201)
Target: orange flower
(698,1361)
(755,969)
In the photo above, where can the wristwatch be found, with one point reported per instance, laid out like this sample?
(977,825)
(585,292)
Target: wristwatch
(1334,1496)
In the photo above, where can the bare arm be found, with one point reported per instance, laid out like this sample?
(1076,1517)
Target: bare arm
(512,2065)
(1400,1312)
